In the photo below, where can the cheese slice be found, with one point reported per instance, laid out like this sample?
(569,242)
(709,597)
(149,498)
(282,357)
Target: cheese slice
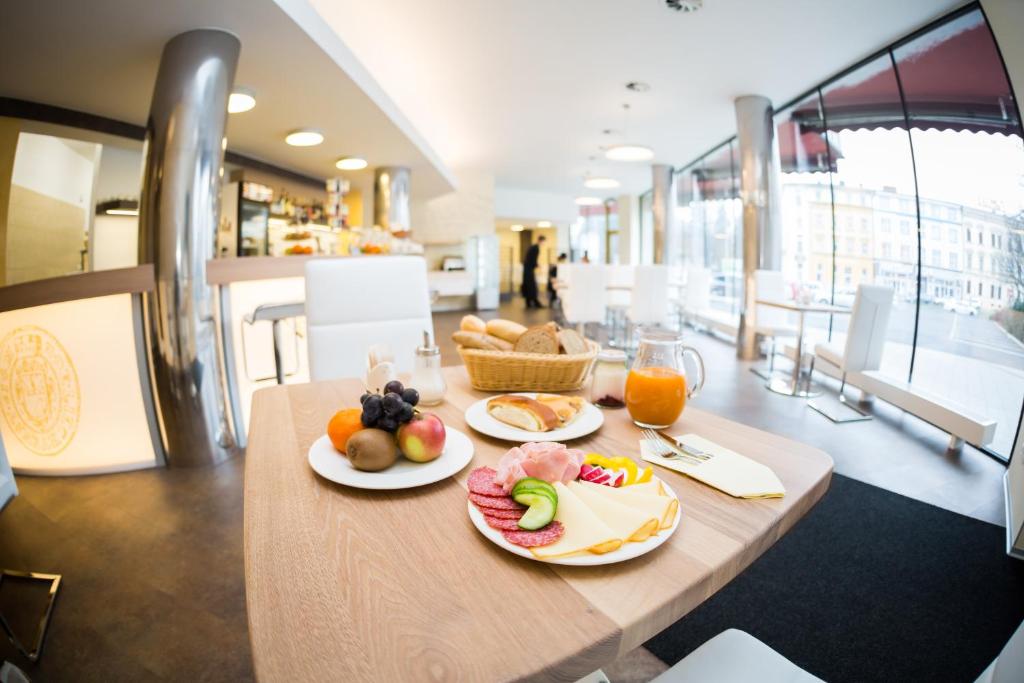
(653,487)
(584,530)
(630,524)
(661,507)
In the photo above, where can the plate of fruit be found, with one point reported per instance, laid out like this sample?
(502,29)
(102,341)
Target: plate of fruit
(555,504)
(388,443)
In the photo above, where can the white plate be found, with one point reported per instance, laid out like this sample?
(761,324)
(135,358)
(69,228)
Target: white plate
(404,474)
(588,421)
(627,552)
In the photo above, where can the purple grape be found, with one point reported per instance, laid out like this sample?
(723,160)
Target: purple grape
(392,404)
(394,386)
(411,396)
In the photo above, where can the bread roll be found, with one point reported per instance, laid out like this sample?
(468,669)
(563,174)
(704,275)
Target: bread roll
(523,412)
(505,329)
(476,340)
(572,341)
(471,323)
(539,339)
(566,407)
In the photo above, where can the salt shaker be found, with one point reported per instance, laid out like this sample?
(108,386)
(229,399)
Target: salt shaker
(426,374)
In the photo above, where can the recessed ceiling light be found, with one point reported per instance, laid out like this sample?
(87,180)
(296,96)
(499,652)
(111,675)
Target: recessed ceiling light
(588,201)
(629,153)
(543,224)
(306,137)
(351,163)
(241,99)
(516,228)
(601,183)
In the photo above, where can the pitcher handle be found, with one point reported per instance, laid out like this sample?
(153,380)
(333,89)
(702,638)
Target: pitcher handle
(693,388)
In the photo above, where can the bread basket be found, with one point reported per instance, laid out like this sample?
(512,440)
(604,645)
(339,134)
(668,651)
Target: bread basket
(511,371)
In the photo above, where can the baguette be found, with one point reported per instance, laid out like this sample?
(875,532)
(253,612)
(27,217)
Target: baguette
(476,340)
(471,323)
(539,339)
(572,342)
(505,329)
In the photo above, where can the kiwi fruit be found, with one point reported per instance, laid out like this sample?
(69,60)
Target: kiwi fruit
(372,450)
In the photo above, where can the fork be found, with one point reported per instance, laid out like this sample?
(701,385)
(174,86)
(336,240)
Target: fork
(674,450)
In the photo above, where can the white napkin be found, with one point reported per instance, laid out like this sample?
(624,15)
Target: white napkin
(726,470)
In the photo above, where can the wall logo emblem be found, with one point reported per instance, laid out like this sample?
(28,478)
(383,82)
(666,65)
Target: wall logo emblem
(39,394)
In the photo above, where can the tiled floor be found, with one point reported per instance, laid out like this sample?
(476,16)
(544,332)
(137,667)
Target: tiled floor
(152,561)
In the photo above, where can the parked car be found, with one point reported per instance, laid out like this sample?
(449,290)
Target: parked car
(964,307)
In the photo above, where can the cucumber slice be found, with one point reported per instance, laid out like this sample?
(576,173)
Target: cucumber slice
(531,484)
(542,508)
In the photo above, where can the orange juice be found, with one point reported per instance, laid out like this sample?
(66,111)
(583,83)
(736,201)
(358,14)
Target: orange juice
(655,396)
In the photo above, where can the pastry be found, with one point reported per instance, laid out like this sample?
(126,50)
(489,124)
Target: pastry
(505,329)
(476,340)
(566,407)
(539,339)
(572,342)
(471,323)
(523,412)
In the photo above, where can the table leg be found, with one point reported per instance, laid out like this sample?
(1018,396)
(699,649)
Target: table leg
(791,387)
(278,365)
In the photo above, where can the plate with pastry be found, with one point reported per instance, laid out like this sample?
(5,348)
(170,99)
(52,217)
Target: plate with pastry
(534,417)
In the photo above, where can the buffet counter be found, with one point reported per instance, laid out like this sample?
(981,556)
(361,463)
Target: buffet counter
(75,394)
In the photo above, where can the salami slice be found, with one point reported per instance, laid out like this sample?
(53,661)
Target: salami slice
(531,539)
(481,482)
(503,514)
(505,503)
(502,523)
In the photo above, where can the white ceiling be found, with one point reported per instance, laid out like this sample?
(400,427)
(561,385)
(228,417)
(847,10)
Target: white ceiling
(525,87)
(101,57)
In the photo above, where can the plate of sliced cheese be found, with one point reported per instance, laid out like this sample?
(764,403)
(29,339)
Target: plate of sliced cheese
(534,417)
(602,524)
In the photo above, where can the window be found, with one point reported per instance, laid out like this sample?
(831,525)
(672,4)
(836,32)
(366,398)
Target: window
(951,213)
(904,227)
(886,225)
(905,253)
(886,250)
(953,261)
(968,287)
(906,206)
(954,235)
(936,232)
(936,258)
(970,260)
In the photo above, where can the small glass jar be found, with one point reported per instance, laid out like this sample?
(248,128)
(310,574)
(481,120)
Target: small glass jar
(427,378)
(608,384)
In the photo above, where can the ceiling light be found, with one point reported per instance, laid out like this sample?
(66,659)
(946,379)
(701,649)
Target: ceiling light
(588,201)
(306,137)
(241,99)
(601,183)
(543,224)
(351,163)
(629,153)
(516,228)
(638,86)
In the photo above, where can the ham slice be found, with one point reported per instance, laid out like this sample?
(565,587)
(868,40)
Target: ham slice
(540,459)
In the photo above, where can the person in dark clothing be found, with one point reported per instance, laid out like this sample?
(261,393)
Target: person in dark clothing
(552,278)
(530,274)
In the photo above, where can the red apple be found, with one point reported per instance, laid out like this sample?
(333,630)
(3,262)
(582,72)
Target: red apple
(422,440)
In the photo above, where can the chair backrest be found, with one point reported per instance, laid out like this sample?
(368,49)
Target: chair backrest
(619,276)
(353,303)
(8,489)
(698,290)
(584,300)
(1008,667)
(771,284)
(649,303)
(865,338)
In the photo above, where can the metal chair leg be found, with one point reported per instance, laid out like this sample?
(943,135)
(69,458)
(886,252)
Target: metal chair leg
(836,415)
(36,648)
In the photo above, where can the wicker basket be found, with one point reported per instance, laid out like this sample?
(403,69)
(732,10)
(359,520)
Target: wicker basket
(511,371)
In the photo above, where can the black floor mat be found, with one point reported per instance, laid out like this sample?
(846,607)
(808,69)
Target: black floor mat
(871,586)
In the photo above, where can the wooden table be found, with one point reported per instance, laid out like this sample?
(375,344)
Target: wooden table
(793,386)
(351,585)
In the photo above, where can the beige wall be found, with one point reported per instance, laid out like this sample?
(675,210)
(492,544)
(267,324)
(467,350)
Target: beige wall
(455,216)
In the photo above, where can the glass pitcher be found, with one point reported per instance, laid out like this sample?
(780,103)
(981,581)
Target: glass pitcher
(657,387)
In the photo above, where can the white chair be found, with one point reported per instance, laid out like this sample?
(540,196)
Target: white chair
(649,305)
(618,296)
(1008,667)
(735,656)
(354,303)
(584,301)
(698,292)
(771,322)
(865,342)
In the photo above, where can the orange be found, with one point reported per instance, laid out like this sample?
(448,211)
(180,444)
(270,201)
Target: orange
(343,425)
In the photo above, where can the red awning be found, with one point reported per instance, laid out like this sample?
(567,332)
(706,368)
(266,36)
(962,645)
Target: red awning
(950,82)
